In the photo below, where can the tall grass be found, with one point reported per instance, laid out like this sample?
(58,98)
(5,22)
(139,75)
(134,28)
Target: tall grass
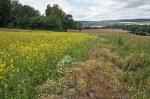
(29,58)
(134,53)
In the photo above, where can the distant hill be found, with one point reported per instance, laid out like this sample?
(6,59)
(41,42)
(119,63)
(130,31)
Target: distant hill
(108,22)
(134,20)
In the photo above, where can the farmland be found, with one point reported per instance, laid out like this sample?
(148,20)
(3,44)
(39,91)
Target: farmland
(74,49)
(28,58)
(96,63)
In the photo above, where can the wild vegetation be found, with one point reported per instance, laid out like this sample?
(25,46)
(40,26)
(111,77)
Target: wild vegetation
(29,58)
(39,64)
(134,57)
(15,15)
(115,68)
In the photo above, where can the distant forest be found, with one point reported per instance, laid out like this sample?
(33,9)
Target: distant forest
(15,15)
(135,29)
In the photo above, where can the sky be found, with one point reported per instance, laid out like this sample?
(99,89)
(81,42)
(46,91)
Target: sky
(96,10)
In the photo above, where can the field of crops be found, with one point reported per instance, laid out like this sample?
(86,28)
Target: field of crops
(28,58)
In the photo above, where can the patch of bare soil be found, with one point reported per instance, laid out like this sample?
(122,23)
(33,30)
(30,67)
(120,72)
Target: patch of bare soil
(97,78)
(106,31)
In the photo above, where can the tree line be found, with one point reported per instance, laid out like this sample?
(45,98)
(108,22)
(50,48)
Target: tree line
(15,15)
(135,29)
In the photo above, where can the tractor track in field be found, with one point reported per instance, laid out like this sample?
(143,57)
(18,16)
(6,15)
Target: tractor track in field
(97,78)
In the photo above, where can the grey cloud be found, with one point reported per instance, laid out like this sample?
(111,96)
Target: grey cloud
(136,3)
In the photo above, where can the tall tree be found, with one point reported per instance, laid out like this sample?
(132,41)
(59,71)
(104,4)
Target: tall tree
(48,10)
(68,22)
(21,14)
(5,7)
(55,11)
(77,25)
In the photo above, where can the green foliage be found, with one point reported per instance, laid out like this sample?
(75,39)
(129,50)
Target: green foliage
(135,29)
(21,14)
(55,10)
(15,15)
(48,10)
(77,25)
(48,23)
(5,7)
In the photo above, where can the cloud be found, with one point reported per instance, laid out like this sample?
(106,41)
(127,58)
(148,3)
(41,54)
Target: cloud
(97,9)
(136,3)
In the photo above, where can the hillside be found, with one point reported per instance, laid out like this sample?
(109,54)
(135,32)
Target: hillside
(108,22)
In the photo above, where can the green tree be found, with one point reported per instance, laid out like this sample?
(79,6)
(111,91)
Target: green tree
(57,14)
(54,11)
(21,14)
(77,25)
(68,22)
(48,23)
(15,15)
(48,10)
(5,7)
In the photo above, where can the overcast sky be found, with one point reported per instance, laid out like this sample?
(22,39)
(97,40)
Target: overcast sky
(97,9)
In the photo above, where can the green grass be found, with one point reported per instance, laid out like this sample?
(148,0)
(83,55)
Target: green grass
(134,56)
(126,45)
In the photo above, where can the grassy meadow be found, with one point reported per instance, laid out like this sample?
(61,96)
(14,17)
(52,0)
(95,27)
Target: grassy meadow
(54,55)
(29,58)
(133,58)
(117,67)
(56,65)
(131,44)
